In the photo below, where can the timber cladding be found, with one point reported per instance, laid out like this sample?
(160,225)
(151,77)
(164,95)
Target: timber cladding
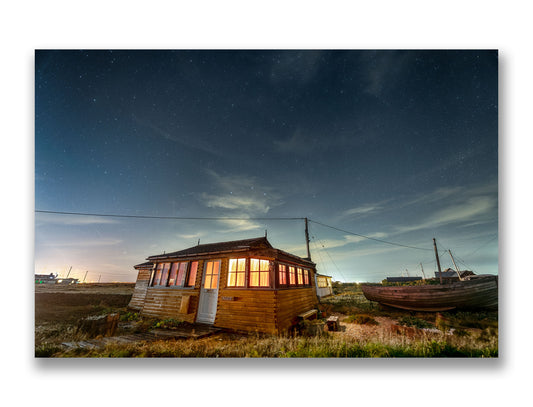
(167,303)
(139,292)
(270,309)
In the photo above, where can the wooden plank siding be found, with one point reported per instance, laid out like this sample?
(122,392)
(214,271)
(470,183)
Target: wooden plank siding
(292,302)
(268,310)
(166,303)
(139,292)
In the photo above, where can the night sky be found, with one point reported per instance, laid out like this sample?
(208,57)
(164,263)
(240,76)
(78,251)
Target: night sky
(398,146)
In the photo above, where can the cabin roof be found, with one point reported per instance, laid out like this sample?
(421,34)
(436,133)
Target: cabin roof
(228,247)
(232,246)
(144,265)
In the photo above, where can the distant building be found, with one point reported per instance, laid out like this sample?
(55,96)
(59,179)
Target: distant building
(52,279)
(450,273)
(45,278)
(324,287)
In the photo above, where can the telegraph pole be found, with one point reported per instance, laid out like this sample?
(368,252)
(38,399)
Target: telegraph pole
(307,239)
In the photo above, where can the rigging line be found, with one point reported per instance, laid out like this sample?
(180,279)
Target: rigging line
(483,245)
(163,217)
(367,237)
(319,254)
(327,252)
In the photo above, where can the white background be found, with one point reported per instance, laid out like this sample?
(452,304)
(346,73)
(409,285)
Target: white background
(28,25)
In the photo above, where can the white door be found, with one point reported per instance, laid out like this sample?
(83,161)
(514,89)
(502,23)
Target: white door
(207,303)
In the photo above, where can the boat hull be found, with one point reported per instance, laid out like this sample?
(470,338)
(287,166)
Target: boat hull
(474,294)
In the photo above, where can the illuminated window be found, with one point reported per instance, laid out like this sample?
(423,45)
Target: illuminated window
(236,272)
(161,274)
(292,275)
(322,282)
(306,277)
(191,281)
(173,273)
(282,274)
(212,269)
(182,271)
(300,276)
(157,275)
(164,274)
(259,273)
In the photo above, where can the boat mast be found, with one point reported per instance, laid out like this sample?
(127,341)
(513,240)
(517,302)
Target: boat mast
(307,239)
(424,274)
(456,268)
(438,261)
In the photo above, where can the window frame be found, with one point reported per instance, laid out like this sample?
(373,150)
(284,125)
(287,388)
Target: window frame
(282,273)
(159,268)
(247,273)
(300,279)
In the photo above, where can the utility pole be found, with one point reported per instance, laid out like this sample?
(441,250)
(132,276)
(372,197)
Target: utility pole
(438,261)
(307,239)
(99,277)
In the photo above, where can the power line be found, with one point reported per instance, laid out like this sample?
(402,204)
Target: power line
(224,218)
(164,217)
(368,237)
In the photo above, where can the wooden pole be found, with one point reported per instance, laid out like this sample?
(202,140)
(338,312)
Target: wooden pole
(424,274)
(456,268)
(85,275)
(438,261)
(68,272)
(307,239)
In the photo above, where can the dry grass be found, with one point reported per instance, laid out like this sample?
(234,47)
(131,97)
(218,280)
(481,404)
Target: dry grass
(460,334)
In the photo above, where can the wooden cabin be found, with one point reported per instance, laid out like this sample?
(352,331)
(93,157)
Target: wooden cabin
(244,285)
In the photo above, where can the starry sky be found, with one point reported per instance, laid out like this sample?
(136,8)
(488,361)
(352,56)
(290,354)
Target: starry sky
(398,146)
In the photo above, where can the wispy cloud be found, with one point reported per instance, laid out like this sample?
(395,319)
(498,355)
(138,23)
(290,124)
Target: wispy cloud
(458,205)
(72,220)
(240,194)
(362,210)
(182,137)
(239,225)
(84,243)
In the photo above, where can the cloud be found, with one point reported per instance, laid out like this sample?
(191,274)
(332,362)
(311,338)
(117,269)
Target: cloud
(183,138)
(72,220)
(84,243)
(239,225)
(345,241)
(469,210)
(361,210)
(241,194)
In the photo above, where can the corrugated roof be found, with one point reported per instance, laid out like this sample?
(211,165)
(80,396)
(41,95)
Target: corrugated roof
(235,245)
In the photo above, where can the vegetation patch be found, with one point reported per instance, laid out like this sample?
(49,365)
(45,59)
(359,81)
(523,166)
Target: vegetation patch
(412,321)
(361,320)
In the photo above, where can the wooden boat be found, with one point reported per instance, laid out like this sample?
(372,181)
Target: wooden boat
(479,292)
(472,292)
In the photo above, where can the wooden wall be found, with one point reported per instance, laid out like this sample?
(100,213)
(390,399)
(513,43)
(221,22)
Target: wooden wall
(139,292)
(292,302)
(167,303)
